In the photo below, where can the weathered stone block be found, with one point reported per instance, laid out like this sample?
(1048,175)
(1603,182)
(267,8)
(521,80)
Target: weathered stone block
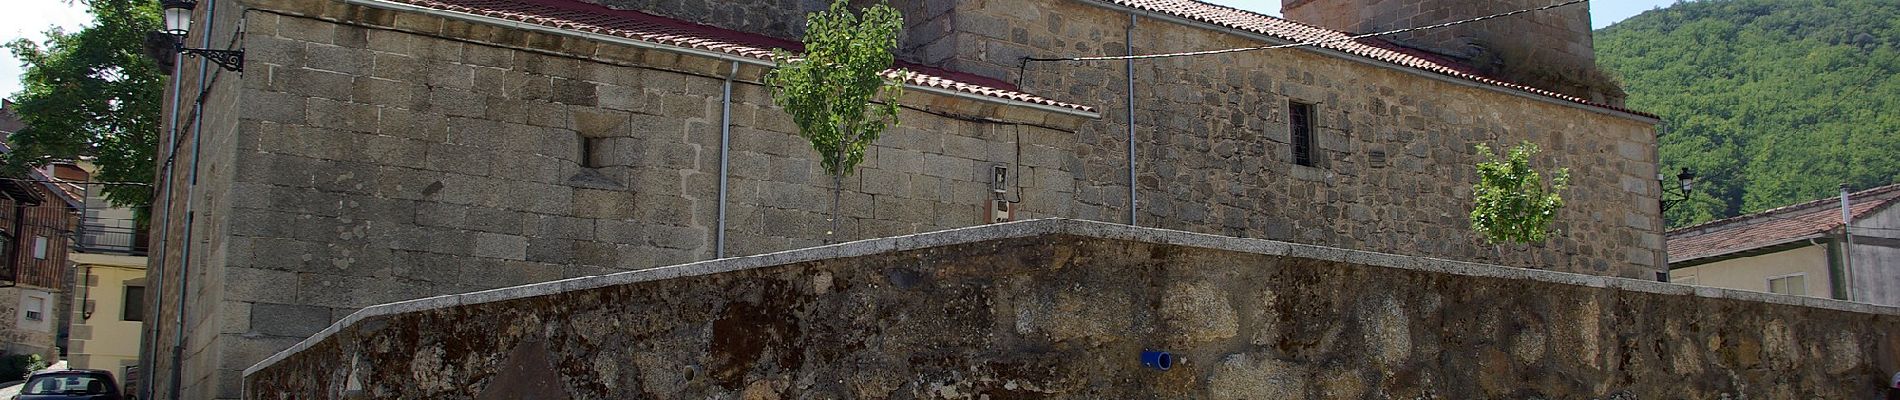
(295,321)
(604,204)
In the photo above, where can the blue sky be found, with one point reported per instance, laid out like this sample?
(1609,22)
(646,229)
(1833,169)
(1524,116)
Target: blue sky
(28,18)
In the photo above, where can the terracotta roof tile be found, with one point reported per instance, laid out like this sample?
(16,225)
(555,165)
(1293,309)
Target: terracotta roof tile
(1773,227)
(1372,48)
(578,16)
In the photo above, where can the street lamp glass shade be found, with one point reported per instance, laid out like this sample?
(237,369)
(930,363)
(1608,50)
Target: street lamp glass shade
(1688,180)
(178,16)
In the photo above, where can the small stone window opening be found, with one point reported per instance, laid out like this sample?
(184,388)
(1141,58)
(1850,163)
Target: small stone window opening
(1300,122)
(591,156)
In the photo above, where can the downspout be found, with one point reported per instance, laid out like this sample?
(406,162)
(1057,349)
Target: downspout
(1847,242)
(148,350)
(725,157)
(1129,42)
(85,313)
(19,242)
(184,252)
(1836,284)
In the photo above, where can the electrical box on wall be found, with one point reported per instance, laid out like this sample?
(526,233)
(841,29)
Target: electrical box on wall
(1001,211)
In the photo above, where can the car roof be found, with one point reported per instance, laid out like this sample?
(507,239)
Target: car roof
(73,372)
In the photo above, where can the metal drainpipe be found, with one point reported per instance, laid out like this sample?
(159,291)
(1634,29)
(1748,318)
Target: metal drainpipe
(149,351)
(184,253)
(725,156)
(1130,43)
(1847,250)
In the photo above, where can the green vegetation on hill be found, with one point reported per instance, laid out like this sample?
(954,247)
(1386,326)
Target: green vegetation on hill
(1771,102)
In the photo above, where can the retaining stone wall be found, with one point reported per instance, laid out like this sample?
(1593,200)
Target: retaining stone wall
(382,160)
(1061,309)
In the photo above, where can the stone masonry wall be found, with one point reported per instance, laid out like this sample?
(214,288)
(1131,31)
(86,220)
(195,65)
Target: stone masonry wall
(199,184)
(1396,148)
(374,159)
(1064,312)
(1551,49)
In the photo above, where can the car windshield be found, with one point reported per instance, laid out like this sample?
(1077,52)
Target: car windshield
(66,384)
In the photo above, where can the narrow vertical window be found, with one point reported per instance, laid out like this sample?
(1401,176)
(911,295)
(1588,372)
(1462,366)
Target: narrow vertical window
(134,304)
(589,157)
(1300,121)
(39,247)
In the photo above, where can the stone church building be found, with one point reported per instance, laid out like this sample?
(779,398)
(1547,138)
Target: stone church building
(373,151)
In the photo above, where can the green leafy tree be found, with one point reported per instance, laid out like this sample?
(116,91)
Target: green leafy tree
(1770,102)
(838,91)
(93,94)
(1511,201)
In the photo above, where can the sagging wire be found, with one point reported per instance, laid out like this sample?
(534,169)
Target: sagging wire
(1027,60)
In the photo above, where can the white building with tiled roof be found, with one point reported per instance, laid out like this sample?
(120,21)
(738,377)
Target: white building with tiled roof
(1802,249)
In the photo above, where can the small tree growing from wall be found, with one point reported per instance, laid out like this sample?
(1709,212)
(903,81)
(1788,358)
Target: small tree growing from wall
(1511,201)
(837,91)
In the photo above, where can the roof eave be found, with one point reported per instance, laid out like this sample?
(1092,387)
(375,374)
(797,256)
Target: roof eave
(1376,63)
(692,51)
(1775,247)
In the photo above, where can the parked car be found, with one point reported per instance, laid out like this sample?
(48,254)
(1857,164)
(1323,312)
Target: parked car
(71,384)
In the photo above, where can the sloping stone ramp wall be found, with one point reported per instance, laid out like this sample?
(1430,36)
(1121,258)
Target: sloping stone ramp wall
(1063,309)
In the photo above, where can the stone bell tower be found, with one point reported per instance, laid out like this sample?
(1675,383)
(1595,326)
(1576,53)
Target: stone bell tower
(1549,49)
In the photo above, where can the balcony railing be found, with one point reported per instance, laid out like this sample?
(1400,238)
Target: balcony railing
(109,236)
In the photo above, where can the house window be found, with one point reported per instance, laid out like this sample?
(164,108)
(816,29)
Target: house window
(1300,122)
(39,247)
(134,309)
(35,308)
(1796,284)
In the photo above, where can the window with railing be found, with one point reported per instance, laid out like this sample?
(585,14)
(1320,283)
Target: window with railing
(109,236)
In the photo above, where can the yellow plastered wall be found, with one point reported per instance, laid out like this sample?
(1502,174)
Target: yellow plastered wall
(105,339)
(1753,273)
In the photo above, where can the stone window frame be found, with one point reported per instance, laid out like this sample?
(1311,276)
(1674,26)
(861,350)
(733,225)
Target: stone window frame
(1322,161)
(1300,114)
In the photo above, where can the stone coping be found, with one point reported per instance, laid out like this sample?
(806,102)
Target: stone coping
(1058,226)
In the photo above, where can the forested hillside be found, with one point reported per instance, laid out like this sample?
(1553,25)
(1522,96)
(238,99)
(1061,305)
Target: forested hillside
(1771,102)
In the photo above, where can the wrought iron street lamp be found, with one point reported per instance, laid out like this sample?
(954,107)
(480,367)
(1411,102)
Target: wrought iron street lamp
(178,23)
(1685,183)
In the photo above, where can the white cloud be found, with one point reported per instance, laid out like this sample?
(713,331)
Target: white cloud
(30,19)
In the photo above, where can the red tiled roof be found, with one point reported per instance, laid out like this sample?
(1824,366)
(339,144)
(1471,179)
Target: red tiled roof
(578,16)
(1773,227)
(1365,47)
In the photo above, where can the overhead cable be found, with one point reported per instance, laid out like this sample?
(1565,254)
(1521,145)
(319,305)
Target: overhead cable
(1299,44)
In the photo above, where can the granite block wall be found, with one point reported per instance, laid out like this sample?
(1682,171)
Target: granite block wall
(1062,309)
(368,156)
(1395,146)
